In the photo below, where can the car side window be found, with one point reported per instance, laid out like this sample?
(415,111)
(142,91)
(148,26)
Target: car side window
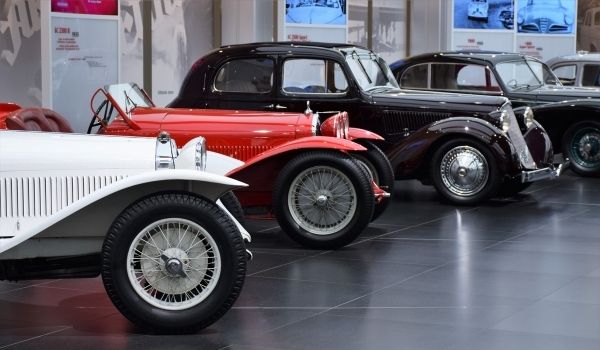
(415,77)
(591,75)
(566,74)
(449,76)
(249,75)
(313,76)
(597,18)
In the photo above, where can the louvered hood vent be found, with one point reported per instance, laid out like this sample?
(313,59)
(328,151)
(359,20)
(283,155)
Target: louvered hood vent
(44,196)
(395,122)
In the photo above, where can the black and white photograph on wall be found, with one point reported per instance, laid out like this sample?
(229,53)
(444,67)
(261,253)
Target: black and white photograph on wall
(588,25)
(330,12)
(546,16)
(484,14)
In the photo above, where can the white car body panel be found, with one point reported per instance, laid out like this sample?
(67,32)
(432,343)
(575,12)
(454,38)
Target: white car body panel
(47,196)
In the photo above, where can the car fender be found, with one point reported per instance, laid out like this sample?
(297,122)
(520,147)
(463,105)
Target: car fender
(412,154)
(89,218)
(5,109)
(310,142)
(362,134)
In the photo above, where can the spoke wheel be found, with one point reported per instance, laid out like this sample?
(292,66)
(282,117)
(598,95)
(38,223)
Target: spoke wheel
(464,172)
(323,199)
(581,144)
(173,264)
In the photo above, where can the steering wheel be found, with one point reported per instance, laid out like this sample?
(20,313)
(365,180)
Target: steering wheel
(97,120)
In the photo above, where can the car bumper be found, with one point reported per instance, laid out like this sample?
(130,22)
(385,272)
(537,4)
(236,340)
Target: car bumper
(548,173)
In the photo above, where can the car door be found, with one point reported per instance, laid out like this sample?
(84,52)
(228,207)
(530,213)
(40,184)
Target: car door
(323,82)
(241,83)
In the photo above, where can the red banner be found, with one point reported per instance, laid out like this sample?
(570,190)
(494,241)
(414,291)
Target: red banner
(87,7)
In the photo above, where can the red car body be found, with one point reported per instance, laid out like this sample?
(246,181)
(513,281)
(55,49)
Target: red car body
(267,142)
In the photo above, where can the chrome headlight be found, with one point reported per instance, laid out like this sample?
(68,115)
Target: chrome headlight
(528,117)
(166,151)
(200,154)
(314,125)
(505,121)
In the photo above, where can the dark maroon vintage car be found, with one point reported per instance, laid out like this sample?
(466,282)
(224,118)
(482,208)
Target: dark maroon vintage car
(469,147)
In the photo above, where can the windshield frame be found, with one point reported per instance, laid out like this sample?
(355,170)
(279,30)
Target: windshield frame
(523,86)
(356,57)
(128,96)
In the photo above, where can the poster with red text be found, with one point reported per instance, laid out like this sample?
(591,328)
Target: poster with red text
(87,7)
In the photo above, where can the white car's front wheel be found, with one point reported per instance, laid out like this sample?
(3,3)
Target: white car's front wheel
(173,262)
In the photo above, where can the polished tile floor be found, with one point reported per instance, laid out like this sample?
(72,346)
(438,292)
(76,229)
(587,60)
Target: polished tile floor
(515,273)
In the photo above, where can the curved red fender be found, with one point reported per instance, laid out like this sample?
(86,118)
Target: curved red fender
(357,134)
(310,142)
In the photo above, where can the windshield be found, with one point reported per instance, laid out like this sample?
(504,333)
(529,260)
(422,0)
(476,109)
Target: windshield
(525,75)
(128,96)
(370,71)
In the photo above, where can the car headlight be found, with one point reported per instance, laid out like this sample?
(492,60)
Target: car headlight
(314,125)
(505,121)
(345,125)
(520,19)
(528,117)
(568,20)
(166,151)
(200,154)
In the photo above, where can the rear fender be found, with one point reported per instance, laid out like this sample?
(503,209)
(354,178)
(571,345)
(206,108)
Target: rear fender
(362,134)
(88,219)
(410,157)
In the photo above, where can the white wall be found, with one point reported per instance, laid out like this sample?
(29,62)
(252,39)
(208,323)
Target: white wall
(427,27)
(245,21)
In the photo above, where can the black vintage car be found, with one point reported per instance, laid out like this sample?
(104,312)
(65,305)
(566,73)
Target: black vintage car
(571,116)
(468,147)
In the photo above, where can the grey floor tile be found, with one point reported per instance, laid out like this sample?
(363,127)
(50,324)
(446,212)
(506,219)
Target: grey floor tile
(556,318)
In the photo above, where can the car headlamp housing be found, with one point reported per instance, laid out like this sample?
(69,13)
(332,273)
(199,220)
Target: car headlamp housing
(528,117)
(166,151)
(505,121)
(336,126)
(200,154)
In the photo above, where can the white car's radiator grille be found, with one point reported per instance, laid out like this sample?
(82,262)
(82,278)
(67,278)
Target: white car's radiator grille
(44,196)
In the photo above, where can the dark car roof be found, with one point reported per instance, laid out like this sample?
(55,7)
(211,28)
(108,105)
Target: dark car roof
(491,57)
(278,46)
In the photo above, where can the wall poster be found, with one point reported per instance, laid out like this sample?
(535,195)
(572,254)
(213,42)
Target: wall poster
(540,28)
(314,20)
(588,25)
(84,56)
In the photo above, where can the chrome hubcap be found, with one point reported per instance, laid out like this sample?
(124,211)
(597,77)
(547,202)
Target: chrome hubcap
(322,200)
(173,264)
(464,171)
(586,147)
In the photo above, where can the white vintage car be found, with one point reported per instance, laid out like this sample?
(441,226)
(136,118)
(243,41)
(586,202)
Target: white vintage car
(135,210)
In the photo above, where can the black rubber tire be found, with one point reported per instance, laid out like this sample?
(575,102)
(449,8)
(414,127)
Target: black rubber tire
(341,162)
(513,187)
(489,190)
(173,205)
(233,205)
(568,152)
(379,165)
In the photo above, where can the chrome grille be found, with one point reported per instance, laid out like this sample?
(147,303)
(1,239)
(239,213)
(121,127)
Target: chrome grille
(544,24)
(44,196)
(515,135)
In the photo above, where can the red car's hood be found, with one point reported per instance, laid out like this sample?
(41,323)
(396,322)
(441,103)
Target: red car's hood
(225,130)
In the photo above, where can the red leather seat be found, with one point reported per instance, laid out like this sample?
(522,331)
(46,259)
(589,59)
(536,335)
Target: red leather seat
(37,119)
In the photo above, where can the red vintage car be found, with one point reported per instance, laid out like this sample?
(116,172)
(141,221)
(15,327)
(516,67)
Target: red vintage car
(304,173)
